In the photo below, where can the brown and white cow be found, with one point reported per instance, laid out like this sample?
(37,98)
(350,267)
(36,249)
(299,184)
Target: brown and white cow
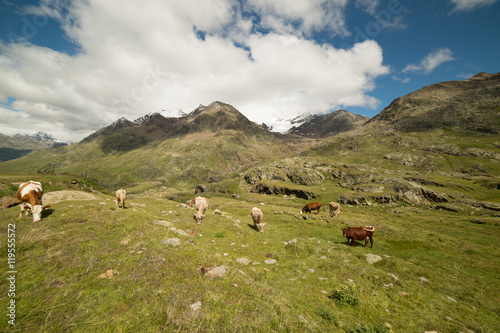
(30,195)
(120,195)
(308,208)
(334,209)
(201,205)
(257,218)
(359,233)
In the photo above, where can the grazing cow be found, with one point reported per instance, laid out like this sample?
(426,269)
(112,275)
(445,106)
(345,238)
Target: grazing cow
(121,195)
(257,218)
(30,195)
(360,233)
(308,208)
(201,205)
(334,209)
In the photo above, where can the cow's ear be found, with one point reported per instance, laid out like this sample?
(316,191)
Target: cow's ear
(45,207)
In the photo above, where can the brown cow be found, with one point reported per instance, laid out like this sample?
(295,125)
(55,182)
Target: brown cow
(257,218)
(201,205)
(359,233)
(334,209)
(30,195)
(308,208)
(121,195)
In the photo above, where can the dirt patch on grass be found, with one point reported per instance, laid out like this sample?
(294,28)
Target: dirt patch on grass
(58,196)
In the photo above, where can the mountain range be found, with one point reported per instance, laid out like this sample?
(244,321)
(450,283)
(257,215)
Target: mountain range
(216,141)
(18,145)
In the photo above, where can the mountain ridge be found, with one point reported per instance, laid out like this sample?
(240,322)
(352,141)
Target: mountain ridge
(471,105)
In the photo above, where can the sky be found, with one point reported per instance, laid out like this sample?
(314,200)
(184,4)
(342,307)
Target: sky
(69,68)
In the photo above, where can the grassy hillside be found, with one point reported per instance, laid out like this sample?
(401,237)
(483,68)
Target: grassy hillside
(438,271)
(203,156)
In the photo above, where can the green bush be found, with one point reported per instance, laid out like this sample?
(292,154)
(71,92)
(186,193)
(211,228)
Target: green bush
(344,297)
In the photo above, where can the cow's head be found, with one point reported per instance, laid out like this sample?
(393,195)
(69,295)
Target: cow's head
(36,211)
(199,217)
(345,231)
(260,227)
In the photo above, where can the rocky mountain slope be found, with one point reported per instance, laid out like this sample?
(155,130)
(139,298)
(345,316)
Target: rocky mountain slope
(471,105)
(207,144)
(12,147)
(324,125)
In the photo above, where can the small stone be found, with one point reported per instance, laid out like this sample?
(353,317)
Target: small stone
(181,232)
(393,276)
(195,306)
(214,272)
(163,223)
(373,258)
(175,242)
(424,280)
(270,261)
(243,261)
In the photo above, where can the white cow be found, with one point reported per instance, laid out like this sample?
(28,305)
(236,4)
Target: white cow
(30,195)
(121,195)
(334,209)
(257,218)
(201,205)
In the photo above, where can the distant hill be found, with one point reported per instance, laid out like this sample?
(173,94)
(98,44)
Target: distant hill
(206,144)
(471,105)
(16,146)
(325,125)
(124,135)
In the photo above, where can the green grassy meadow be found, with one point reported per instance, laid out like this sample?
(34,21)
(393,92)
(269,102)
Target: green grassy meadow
(439,270)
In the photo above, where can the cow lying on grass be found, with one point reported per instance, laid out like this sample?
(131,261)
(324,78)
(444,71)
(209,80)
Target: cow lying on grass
(30,195)
(201,205)
(334,209)
(308,208)
(257,218)
(360,233)
(121,195)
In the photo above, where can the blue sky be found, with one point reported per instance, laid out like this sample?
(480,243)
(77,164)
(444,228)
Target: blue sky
(71,67)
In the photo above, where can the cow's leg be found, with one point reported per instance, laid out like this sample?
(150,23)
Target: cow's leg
(123,203)
(371,242)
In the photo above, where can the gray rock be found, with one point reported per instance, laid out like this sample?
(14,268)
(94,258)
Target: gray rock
(163,223)
(181,232)
(214,272)
(373,258)
(243,261)
(175,242)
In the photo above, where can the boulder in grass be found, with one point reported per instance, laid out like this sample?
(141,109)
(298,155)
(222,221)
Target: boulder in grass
(214,272)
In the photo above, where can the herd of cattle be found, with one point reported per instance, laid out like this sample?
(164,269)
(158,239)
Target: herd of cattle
(30,196)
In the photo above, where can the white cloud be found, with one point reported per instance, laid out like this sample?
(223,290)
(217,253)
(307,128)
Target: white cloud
(431,61)
(469,5)
(370,6)
(401,80)
(138,58)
